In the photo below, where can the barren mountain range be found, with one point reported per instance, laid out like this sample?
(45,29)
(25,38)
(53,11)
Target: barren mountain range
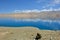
(55,15)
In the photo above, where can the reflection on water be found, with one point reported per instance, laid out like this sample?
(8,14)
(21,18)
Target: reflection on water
(42,24)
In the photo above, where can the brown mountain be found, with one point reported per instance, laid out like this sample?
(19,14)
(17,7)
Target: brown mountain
(33,15)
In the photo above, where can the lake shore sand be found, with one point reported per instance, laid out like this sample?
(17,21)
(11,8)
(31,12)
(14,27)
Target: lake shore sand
(27,33)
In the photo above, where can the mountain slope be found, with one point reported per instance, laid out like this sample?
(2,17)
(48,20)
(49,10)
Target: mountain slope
(54,15)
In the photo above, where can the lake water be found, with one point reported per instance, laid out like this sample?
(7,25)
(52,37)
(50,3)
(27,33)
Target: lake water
(39,23)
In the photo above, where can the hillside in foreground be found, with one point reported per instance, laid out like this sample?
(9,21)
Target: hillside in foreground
(27,33)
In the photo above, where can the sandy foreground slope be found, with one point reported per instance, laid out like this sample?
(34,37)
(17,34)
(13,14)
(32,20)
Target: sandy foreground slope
(27,33)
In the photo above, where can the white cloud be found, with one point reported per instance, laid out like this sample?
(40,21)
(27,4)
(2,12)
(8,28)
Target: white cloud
(26,11)
(35,10)
(57,1)
(17,11)
(51,9)
(52,3)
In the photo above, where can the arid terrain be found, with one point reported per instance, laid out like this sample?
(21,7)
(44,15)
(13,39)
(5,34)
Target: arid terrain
(30,33)
(33,15)
(27,33)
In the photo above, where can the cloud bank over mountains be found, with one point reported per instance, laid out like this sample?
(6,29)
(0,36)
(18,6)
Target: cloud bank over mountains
(35,10)
(49,6)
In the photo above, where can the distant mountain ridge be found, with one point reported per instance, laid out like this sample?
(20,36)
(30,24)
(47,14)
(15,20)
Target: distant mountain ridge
(54,15)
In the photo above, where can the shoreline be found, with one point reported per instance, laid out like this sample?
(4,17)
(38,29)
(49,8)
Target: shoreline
(27,27)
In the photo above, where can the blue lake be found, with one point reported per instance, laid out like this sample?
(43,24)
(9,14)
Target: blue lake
(41,24)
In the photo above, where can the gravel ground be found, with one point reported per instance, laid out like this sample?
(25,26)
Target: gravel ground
(28,33)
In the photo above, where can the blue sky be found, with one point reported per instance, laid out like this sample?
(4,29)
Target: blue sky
(7,6)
